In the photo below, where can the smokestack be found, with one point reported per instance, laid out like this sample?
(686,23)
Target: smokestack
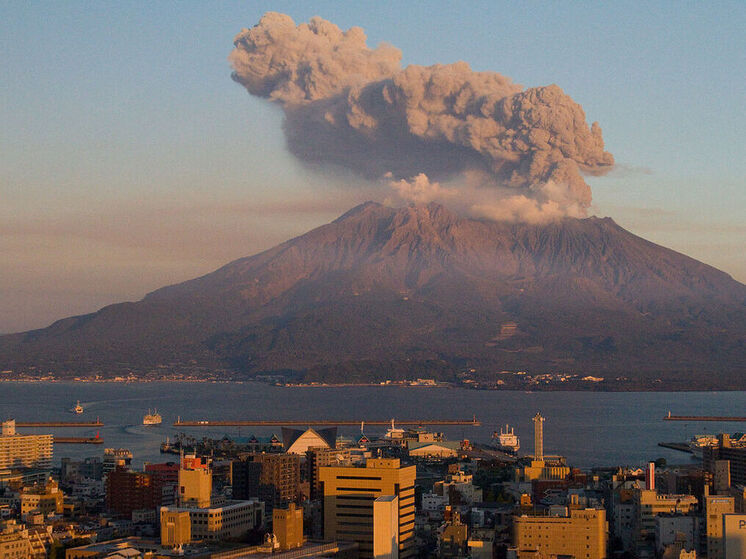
(650,476)
(442,133)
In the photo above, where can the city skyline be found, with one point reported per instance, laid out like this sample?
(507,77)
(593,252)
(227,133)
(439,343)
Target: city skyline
(131,160)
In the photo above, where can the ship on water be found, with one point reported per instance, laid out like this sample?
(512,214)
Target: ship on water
(152,418)
(78,408)
(507,440)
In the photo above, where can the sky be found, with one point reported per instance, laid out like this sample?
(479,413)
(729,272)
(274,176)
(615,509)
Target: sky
(129,158)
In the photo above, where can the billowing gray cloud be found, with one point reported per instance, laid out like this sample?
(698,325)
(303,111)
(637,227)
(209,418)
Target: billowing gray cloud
(511,153)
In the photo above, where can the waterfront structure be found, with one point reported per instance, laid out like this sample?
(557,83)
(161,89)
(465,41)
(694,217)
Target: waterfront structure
(233,519)
(116,457)
(287,527)
(538,437)
(349,496)
(272,478)
(297,441)
(582,533)
(716,507)
(442,449)
(19,452)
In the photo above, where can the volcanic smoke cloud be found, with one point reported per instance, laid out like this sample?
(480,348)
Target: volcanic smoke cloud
(499,151)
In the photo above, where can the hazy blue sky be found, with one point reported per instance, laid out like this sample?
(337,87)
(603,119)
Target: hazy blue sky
(129,158)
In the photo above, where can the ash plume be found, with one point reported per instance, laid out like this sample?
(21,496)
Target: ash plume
(491,147)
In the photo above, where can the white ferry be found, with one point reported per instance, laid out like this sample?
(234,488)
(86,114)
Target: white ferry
(507,440)
(698,442)
(152,418)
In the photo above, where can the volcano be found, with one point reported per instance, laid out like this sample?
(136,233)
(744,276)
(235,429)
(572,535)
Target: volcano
(422,292)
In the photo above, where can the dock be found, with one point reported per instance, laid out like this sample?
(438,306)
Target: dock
(474,422)
(734,418)
(78,440)
(80,424)
(681,447)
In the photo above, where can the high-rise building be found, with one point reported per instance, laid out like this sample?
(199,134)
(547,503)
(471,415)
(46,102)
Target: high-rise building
(166,478)
(734,536)
(581,534)
(726,450)
(24,451)
(386,527)
(319,457)
(127,491)
(195,487)
(349,496)
(721,477)
(716,507)
(271,478)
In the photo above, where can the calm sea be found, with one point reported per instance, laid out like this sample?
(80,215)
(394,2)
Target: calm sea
(591,429)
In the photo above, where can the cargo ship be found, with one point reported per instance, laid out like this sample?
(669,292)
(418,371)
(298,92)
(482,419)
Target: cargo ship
(152,418)
(507,440)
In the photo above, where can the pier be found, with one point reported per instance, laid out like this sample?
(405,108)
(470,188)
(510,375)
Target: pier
(474,422)
(81,424)
(78,440)
(734,418)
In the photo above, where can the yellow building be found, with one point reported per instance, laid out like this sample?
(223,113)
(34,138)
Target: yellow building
(715,508)
(195,487)
(14,541)
(540,469)
(386,527)
(648,504)
(24,451)
(45,499)
(583,535)
(175,528)
(349,496)
(231,520)
(287,526)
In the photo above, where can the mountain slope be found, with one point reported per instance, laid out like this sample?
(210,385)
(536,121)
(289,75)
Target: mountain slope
(422,288)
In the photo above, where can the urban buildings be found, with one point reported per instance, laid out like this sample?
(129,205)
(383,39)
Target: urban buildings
(287,527)
(582,534)
(271,478)
(233,519)
(349,496)
(127,491)
(18,452)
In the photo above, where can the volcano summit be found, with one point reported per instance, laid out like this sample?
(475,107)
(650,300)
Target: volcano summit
(420,291)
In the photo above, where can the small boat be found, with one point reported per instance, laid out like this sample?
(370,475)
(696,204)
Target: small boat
(152,418)
(78,408)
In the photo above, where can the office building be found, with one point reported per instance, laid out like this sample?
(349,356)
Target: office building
(582,534)
(24,451)
(386,527)
(349,496)
(271,478)
(176,527)
(166,479)
(716,507)
(287,526)
(734,536)
(129,491)
(230,520)
(726,450)
(195,487)
(44,499)
(318,458)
